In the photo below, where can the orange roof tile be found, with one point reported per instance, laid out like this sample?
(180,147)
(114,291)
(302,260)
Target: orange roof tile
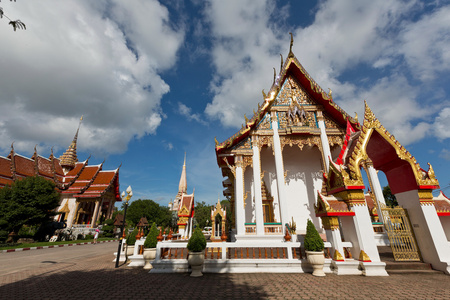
(24,166)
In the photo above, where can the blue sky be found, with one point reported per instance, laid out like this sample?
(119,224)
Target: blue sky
(157,79)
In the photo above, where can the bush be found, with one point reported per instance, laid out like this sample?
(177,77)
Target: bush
(89,237)
(197,242)
(108,228)
(151,239)
(313,241)
(131,239)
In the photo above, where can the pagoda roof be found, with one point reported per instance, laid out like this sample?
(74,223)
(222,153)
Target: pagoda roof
(186,208)
(442,204)
(291,67)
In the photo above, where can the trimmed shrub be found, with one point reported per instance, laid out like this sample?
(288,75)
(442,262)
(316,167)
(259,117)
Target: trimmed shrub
(197,242)
(313,241)
(151,239)
(131,239)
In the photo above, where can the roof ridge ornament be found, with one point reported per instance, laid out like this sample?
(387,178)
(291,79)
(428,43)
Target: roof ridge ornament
(291,54)
(281,65)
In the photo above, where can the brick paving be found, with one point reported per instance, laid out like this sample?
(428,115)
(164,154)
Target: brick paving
(95,277)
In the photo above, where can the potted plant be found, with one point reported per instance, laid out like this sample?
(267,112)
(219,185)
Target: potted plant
(196,246)
(150,247)
(314,249)
(131,240)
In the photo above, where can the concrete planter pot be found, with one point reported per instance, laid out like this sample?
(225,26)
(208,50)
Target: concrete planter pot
(317,260)
(149,254)
(129,251)
(196,260)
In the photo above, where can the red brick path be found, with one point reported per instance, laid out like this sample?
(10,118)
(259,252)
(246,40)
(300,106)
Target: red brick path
(96,278)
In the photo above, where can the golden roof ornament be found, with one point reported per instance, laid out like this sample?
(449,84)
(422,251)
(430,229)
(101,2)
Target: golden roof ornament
(216,141)
(246,119)
(274,75)
(69,158)
(281,65)
(264,94)
(291,54)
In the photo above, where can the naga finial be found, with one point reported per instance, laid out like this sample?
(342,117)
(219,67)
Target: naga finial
(330,94)
(274,75)
(216,141)
(281,65)
(292,44)
(264,94)
(356,117)
(246,119)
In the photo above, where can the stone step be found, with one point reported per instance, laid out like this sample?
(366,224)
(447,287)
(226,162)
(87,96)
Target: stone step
(409,267)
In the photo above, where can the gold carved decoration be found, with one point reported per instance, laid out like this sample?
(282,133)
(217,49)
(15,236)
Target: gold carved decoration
(232,168)
(330,223)
(300,141)
(292,92)
(337,256)
(364,257)
(371,124)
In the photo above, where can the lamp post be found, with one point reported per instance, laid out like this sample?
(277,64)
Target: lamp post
(126,198)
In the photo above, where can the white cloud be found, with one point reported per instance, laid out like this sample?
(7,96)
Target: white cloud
(445,154)
(442,124)
(187,112)
(91,58)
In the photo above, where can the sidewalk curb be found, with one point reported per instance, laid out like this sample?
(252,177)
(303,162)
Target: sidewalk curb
(53,246)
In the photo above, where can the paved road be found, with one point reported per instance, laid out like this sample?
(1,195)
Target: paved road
(82,272)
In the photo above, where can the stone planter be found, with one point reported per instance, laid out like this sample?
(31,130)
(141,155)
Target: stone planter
(129,251)
(196,260)
(317,260)
(149,254)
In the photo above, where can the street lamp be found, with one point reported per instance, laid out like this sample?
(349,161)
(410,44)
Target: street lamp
(126,198)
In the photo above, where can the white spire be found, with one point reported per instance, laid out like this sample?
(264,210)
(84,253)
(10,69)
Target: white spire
(182,187)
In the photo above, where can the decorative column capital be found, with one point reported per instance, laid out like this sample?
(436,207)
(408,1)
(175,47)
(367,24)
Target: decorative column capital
(330,223)
(319,115)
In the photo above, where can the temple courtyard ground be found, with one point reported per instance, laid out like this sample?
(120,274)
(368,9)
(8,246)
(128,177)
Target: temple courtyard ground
(88,271)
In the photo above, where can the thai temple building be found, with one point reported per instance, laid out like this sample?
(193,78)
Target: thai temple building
(87,192)
(299,157)
(183,206)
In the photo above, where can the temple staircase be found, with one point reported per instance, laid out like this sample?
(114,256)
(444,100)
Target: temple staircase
(403,267)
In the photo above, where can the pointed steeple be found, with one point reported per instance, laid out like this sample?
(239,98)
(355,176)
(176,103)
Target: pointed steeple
(69,158)
(182,187)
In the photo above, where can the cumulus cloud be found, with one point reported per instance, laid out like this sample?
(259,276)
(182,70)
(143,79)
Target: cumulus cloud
(445,154)
(91,58)
(187,112)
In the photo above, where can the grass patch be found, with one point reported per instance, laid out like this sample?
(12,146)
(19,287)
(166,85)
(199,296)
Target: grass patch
(42,244)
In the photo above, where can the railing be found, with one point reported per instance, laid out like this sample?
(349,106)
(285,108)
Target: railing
(269,228)
(274,228)
(250,229)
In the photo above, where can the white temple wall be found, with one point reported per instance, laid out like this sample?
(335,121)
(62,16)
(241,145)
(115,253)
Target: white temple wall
(270,178)
(445,221)
(249,202)
(304,179)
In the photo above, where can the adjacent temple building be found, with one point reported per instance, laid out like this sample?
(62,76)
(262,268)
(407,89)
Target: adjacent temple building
(183,206)
(87,192)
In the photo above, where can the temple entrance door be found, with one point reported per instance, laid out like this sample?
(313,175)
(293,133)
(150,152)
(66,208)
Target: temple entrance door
(218,225)
(401,237)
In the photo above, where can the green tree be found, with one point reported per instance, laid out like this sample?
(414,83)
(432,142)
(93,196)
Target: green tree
(149,209)
(202,215)
(30,201)
(389,197)
(17,24)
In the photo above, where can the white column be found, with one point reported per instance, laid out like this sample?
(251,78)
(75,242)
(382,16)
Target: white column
(377,191)
(324,140)
(73,214)
(279,166)
(334,236)
(364,232)
(94,216)
(257,187)
(239,198)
